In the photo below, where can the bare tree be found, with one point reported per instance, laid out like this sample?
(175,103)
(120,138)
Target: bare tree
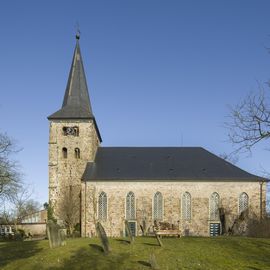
(28,207)
(69,207)
(229,157)
(10,180)
(21,204)
(249,121)
(249,124)
(6,216)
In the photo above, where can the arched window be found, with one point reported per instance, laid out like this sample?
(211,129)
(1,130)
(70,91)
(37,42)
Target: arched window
(77,153)
(76,131)
(158,206)
(214,206)
(64,152)
(186,206)
(130,206)
(102,206)
(243,202)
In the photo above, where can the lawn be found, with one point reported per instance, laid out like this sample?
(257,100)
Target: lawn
(185,253)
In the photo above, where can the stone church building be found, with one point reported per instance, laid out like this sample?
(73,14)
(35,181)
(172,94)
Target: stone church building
(185,186)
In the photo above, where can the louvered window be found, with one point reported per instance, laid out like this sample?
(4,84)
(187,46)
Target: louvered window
(243,202)
(186,206)
(158,206)
(102,206)
(130,206)
(214,206)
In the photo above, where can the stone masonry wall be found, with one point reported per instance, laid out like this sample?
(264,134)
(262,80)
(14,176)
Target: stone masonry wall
(172,193)
(67,172)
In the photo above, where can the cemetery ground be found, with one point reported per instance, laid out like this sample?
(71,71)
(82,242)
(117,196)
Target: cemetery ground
(177,253)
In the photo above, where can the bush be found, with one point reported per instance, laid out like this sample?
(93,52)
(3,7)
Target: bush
(19,235)
(21,232)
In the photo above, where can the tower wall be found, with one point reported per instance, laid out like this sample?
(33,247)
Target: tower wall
(65,173)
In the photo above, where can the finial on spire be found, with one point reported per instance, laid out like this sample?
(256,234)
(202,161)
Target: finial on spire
(78,32)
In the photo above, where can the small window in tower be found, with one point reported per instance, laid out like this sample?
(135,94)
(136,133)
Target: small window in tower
(77,153)
(65,131)
(64,152)
(76,131)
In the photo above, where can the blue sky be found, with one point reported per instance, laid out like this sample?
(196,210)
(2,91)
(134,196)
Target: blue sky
(160,73)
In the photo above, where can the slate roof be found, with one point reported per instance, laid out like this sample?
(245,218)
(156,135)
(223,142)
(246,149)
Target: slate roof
(76,103)
(162,163)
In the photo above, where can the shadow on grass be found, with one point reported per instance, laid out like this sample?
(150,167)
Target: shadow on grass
(15,250)
(150,244)
(97,247)
(249,251)
(95,259)
(144,263)
(123,241)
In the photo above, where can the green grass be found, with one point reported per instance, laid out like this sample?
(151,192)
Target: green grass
(185,253)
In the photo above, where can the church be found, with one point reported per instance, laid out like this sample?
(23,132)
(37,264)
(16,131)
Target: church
(183,186)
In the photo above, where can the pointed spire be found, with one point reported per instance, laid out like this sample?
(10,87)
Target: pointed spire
(76,103)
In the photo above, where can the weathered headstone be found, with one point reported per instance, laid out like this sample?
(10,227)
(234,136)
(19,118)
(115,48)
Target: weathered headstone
(129,232)
(159,240)
(62,235)
(153,262)
(103,238)
(144,227)
(55,234)
(240,225)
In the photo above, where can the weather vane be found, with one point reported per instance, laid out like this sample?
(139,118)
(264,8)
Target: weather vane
(78,32)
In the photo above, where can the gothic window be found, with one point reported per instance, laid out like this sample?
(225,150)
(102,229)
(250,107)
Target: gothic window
(243,202)
(214,206)
(77,153)
(186,206)
(102,206)
(158,206)
(64,152)
(130,206)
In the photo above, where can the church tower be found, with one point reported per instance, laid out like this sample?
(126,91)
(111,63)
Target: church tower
(73,141)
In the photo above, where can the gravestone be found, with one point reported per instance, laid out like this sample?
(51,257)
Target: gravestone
(153,262)
(56,235)
(159,240)
(144,227)
(129,233)
(103,238)
(62,235)
(240,225)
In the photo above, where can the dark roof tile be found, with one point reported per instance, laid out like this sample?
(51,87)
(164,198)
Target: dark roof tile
(162,163)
